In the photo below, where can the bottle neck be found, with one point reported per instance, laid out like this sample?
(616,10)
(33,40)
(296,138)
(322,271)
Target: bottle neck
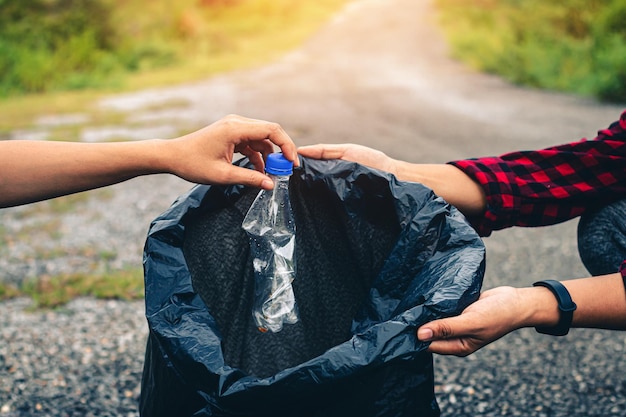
(281,184)
(279,178)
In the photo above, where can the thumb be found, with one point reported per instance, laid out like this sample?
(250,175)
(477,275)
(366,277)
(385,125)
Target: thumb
(437,330)
(450,336)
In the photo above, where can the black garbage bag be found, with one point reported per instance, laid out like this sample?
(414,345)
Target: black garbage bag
(375,259)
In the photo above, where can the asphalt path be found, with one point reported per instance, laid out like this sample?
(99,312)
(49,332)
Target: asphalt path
(379,74)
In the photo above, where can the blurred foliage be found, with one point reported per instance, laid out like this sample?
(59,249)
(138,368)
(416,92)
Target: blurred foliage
(576,46)
(54,43)
(58,45)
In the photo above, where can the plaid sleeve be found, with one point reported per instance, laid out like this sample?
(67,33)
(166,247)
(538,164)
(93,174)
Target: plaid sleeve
(552,185)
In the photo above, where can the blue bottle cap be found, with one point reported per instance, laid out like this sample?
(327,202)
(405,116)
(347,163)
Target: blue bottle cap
(277,164)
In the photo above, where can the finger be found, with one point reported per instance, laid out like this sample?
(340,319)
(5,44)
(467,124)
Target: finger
(443,329)
(265,147)
(448,336)
(323,151)
(248,177)
(454,347)
(255,158)
(259,130)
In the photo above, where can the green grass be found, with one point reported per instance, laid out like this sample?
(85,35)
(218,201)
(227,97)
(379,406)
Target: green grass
(56,291)
(8,291)
(4,238)
(576,46)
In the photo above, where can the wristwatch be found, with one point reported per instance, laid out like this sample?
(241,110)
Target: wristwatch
(566,308)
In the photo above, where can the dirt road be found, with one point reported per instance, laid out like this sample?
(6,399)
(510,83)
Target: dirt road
(379,74)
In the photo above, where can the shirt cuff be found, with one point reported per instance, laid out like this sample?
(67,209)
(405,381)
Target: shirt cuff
(501,192)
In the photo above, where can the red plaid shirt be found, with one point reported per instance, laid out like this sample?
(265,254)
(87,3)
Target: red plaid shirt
(548,186)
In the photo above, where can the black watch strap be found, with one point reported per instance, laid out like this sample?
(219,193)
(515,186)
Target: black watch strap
(566,308)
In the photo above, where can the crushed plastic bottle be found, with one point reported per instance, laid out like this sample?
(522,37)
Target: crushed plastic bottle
(272,231)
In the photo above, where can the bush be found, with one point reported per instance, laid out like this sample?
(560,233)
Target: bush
(610,52)
(45,44)
(575,46)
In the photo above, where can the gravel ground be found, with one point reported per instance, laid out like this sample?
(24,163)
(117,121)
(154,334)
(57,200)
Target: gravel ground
(378,74)
(82,360)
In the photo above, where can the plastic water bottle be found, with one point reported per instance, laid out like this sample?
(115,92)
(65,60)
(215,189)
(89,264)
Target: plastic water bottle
(272,231)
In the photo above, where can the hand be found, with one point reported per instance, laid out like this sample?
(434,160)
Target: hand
(495,314)
(351,152)
(206,156)
(445,180)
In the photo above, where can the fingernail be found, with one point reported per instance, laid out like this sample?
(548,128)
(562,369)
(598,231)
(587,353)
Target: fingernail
(425,335)
(267,184)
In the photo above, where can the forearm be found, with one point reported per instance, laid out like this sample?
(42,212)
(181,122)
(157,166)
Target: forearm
(36,170)
(601,303)
(448,182)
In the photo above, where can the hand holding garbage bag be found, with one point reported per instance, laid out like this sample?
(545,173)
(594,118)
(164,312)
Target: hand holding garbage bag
(445,180)
(502,310)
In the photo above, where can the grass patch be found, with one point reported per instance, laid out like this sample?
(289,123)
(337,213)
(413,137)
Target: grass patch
(67,203)
(8,291)
(56,291)
(49,227)
(4,237)
(22,111)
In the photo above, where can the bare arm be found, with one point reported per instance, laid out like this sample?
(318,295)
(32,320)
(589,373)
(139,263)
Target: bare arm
(601,303)
(447,181)
(36,170)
